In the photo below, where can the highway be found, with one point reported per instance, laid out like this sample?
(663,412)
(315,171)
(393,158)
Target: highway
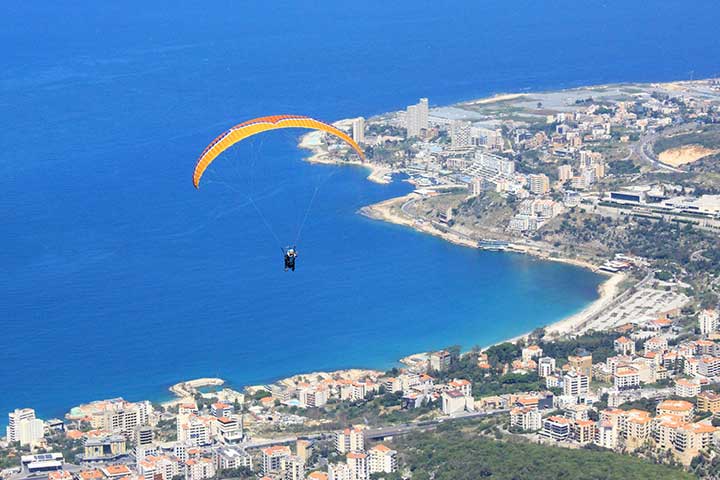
(376,433)
(643,150)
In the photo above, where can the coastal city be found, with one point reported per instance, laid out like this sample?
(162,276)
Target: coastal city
(620,179)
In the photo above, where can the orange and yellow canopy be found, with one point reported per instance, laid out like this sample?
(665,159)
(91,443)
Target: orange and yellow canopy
(258,125)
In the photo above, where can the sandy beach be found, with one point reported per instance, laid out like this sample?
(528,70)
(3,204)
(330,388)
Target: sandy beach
(497,98)
(313,141)
(575,323)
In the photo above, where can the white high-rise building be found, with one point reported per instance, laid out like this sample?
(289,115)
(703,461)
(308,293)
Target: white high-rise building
(412,122)
(23,427)
(358,465)
(382,459)
(709,321)
(416,118)
(30,431)
(293,468)
(350,440)
(423,113)
(546,366)
(339,471)
(575,384)
(14,418)
(539,184)
(565,173)
(460,133)
(358,130)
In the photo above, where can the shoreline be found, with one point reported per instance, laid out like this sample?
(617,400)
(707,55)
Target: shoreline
(575,323)
(572,324)
(311,141)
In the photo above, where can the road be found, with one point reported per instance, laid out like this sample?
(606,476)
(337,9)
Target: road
(643,150)
(404,429)
(377,433)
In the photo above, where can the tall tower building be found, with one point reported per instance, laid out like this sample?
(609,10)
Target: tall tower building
(15,418)
(460,133)
(565,173)
(416,118)
(423,113)
(144,435)
(412,122)
(539,184)
(358,130)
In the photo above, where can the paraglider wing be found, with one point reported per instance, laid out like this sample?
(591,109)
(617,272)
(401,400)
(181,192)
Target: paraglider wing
(259,125)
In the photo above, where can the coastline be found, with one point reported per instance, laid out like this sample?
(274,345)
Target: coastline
(312,141)
(384,211)
(572,324)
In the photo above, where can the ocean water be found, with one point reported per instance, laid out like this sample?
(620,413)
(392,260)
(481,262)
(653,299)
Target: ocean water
(118,278)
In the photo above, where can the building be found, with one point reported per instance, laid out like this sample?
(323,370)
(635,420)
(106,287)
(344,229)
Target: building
(583,431)
(119,416)
(565,173)
(557,428)
(531,352)
(683,439)
(144,435)
(304,449)
(42,462)
(440,361)
(464,386)
(293,468)
(117,471)
(460,133)
(23,427)
(626,378)
(680,408)
(338,471)
(606,435)
(228,430)
(709,366)
(416,118)
(656,344)
(687,388)
(273,458)
(454,401)
(382,459)
(158,468)
(526,418)
(539,183)
(104,448)
(358,466)
(350,440)
(221,409)
(708,401)
(581,363)
(30,432)
(358,130)
(708,320)
(546,366)
(193,430)
(199,468)
(231,457)
(575,384)
(624,346)
(318,476)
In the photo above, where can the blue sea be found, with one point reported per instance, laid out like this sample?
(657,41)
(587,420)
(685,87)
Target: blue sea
(119,279)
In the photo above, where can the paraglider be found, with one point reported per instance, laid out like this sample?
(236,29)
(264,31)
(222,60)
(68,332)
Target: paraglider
(259,125)
(290,254)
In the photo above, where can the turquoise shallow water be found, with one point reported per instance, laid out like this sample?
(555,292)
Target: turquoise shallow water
(119,279)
